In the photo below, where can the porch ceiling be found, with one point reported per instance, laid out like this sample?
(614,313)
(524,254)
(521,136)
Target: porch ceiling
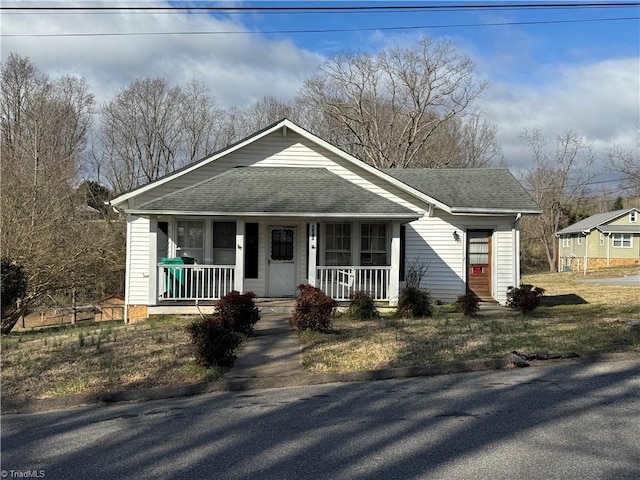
(278,191)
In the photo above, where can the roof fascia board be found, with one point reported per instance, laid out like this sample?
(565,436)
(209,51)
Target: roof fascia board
(489,211)
(197,213)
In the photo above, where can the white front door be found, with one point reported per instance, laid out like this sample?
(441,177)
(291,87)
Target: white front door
(282,263)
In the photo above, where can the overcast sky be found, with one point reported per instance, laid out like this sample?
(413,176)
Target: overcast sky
(556,69)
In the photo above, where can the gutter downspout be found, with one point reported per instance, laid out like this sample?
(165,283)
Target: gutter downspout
(516,250)
(608,249)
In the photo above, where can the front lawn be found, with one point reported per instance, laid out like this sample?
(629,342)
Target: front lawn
(575,317)
(97,358)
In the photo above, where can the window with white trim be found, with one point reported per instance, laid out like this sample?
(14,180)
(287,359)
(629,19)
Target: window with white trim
(373,244)
(602,239)
(566,242)
(580,240)
(337,249)
(633,217)
(190,241)
(622,240)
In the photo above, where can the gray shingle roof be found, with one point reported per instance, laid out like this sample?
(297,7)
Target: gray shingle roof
(594,221)
(619,228)
(278,190)
(470,189)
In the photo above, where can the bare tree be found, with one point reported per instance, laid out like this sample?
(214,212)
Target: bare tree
(242,122)
(627,164)
(150,129)
(201,121)
(44,128)
(386,109)
(141,134)
(558,181)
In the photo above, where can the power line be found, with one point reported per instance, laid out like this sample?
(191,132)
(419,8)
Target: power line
(319,30)
(335,8)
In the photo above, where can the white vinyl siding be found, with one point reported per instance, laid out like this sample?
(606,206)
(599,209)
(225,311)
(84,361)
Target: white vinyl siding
(430,242)
(138,261)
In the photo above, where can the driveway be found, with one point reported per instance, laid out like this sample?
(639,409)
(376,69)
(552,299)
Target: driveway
(630,280)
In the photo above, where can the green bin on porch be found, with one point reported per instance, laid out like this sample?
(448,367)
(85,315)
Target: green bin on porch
(176,280)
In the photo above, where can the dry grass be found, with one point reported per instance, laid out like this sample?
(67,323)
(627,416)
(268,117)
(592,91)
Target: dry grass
(578,317)
(97,358)
(584,318)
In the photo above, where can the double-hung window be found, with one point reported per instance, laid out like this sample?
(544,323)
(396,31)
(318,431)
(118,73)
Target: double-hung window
(338,244)
(224,243)
(191,239)
(373,244)
(622,240)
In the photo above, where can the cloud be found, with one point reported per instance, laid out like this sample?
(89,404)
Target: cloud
(599,101)
(238,67)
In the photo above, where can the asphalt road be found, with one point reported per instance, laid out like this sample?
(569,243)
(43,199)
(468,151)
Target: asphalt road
(557,422)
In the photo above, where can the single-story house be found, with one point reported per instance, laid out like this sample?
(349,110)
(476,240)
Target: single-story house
(284,207)
(601,240)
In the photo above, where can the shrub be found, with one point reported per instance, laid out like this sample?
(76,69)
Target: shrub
(469,304)
(525,298)
(313,310)
(362,306)
(214,341)
(414,302)
(238,311)
(13,283)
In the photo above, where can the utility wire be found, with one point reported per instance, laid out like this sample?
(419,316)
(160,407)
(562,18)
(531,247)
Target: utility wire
(335,8)
(319,30)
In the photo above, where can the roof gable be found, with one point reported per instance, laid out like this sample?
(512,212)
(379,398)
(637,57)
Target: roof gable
(280,191)
(594,221)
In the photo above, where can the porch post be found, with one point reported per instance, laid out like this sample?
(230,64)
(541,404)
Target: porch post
(313,245)
(238,283)
(153,259)
(394,281)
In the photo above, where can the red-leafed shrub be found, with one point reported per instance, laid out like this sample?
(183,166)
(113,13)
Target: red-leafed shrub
(214,341)
(314,310)
(238,311)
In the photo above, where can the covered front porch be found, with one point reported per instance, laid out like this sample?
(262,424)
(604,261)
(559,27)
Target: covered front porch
(197,260)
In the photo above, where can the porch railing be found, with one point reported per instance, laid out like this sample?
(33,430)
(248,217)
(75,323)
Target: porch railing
(195,282)
(341,282)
